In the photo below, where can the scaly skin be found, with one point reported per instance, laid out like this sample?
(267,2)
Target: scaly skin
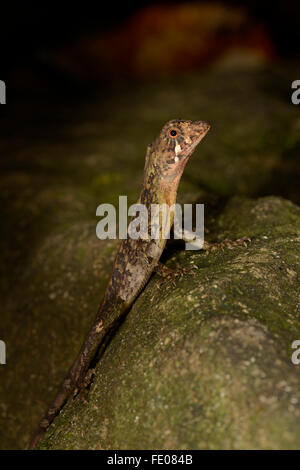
(136,259)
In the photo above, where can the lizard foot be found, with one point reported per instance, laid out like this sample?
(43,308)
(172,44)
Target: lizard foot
(169,274)
(81,386)
(227,243)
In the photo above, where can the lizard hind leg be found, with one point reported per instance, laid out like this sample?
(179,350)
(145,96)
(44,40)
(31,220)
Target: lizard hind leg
(227,243)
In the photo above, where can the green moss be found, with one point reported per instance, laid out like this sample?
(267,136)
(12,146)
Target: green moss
(107,179)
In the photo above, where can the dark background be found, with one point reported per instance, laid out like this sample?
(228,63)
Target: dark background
(33,32)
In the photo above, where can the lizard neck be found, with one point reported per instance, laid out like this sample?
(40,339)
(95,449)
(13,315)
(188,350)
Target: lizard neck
(160,188)
(169,185)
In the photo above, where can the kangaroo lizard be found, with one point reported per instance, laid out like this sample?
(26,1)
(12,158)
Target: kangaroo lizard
(137,259)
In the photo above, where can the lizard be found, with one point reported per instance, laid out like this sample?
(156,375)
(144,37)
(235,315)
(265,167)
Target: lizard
(136,259)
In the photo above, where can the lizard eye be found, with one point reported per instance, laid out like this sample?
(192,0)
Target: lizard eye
(173,133)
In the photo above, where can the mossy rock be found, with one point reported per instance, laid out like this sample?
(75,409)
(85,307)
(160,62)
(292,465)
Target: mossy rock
(61,160)
(205,363)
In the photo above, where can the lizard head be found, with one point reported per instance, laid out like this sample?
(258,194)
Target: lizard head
(167,156)
(175,144)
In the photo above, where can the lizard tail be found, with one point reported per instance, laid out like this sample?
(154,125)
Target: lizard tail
(58,403)
(77,374)
(74,380)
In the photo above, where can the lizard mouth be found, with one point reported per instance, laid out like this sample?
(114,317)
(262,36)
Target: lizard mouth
(197,140)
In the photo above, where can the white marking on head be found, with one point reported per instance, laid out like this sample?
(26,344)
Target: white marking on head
(176,159)
(177,148)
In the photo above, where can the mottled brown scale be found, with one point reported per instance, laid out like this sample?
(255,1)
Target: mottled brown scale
(136,260)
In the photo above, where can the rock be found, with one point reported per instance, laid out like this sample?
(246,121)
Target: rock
(204,364)
(60,160)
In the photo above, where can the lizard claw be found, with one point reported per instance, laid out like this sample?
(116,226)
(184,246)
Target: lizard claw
(227,243)
(82,385)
